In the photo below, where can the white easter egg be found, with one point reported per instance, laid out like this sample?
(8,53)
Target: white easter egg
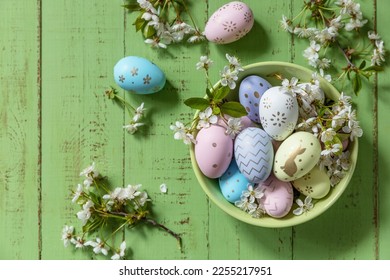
(278,111)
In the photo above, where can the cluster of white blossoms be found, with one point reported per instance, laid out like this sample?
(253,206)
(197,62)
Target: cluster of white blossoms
(330,23)
(165,32)
(334,123)
(208,116)
(250,201)
(105,213)
(134,123)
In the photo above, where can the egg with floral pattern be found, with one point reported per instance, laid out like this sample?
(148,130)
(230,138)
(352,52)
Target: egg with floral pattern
(278,111)
(138,75)
(229,23)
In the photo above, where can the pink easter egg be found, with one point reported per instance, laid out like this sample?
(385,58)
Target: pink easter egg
(213,151)
(229,23)
(278,197)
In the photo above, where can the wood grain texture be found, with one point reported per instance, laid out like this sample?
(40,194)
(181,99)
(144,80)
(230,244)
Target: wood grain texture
(57,58)
(19,129)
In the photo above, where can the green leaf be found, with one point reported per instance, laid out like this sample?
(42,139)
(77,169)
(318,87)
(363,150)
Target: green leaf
(216,111)
(197,103)
(139,24)
(132,7)
(221,93)
(375,68)
(233,109)
(357,83)
(362,65)
(149,31)
(209,93)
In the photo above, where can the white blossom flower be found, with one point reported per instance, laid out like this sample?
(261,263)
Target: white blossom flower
(67,235)
(344,161)
(132,191)
(257,212)
(139,112)
(120,253)
(286,24)
(311,53)
(234,63)
(156,43)
(145,4)
(77,193)
(141,200)
(291,86)
(78,242)
(355,23)
(252,194)
(197,37)
(163,188)
(228,77)
(85,214)
(328,135)
(132,127)
(181,133)
(332,149)
(206,118)
(233,127)
(245,205)
(372,35)
(90,171)
(305,32)
(304,207)
(204,63)
(98,247)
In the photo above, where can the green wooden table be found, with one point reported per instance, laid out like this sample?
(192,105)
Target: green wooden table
(56,60)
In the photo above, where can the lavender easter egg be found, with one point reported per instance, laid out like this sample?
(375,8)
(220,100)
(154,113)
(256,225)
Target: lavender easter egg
(278,112)
(213,151)
(254,154)
(251,90)
(278,197)
(138,75)
(232,183)
(229,23)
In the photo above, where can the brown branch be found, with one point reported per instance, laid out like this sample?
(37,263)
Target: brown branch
(161,226)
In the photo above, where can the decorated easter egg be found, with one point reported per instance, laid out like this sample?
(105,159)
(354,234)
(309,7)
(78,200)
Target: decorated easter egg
(315,183)
(250,92)
(296,156)
(213,151)
(229,23)
(138,75)
(232,183)
(278,197)
(278,112)
(254,154)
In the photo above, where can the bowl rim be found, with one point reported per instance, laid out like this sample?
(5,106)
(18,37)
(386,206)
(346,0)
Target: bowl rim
(289,220)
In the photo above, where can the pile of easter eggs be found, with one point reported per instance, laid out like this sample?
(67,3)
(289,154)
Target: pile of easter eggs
(268,152)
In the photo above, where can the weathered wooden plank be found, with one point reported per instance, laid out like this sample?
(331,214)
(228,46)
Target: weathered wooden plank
(19,129)
(264,42)
(382,198)
(154,157)
(347,229)
(81,43)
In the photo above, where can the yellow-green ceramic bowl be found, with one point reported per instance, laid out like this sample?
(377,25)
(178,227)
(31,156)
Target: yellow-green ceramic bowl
(211,186)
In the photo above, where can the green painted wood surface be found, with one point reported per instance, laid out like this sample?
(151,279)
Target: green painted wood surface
(56,60)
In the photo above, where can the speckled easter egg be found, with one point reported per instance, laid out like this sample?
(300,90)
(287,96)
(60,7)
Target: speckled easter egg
(232,183)
(315,184)
(254,154)
(251,90)
(213,151)
(296,156)
(278,112)
(229,23)
(278,197)
(138,75)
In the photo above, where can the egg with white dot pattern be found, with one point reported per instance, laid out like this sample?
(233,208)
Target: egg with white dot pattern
(251,90)
(138,75)
(213,151)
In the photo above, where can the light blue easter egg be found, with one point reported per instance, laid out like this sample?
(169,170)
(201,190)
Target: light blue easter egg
(232,183)
(254,154)
(250,92)
(138,75)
